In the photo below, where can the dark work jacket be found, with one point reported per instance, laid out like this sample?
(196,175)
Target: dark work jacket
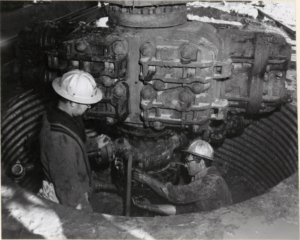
(64,157)
(206,192)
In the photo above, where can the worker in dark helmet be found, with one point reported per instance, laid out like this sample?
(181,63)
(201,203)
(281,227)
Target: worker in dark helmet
(206,191)
(64,144)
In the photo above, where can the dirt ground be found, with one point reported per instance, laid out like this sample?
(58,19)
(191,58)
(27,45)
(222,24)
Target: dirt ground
(273,215)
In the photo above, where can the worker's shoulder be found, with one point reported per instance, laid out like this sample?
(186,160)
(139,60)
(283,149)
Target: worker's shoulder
(61,130)
(213,178)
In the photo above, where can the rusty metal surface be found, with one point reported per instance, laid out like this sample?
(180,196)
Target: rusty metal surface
(148,17)
(188,82)
(151,151)
(133,3)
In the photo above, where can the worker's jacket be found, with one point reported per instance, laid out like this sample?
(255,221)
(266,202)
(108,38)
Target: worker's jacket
(64,158)
(207,191)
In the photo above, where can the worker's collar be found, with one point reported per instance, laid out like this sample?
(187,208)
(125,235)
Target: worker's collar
(75,124)
(204,172)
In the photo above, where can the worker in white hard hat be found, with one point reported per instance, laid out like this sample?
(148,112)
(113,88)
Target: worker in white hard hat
(64,144)
(206,191)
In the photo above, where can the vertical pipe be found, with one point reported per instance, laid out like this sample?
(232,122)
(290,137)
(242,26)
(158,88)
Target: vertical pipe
(128,192)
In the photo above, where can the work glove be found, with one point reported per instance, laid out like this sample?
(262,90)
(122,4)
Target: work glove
(102,140)
(141,202)
(141,176)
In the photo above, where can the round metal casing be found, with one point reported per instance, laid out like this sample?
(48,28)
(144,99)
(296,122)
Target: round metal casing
(147,16)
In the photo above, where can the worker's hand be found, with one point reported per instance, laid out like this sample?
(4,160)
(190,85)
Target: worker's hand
(141,202)
(140,176)
(102,140)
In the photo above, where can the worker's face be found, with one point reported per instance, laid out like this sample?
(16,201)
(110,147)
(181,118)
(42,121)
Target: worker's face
(79,108)
(192,166)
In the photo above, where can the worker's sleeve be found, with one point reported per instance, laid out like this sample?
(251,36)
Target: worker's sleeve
(201,189)
(63,154)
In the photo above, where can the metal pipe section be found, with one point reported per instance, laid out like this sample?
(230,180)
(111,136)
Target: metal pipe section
(128,190)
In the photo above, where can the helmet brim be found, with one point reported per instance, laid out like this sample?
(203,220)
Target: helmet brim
(91,100)
(199,155)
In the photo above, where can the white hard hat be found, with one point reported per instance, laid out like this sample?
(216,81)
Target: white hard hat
(78,86)
(201,148)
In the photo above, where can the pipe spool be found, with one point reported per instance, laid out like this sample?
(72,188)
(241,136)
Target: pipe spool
(128,189)
(265,154)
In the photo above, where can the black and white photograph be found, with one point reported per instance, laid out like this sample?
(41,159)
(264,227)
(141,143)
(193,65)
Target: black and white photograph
(149,119)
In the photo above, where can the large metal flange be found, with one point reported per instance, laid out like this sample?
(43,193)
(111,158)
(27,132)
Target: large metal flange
(143,3)
(148,17)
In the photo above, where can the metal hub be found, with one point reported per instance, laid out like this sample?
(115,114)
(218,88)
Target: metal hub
(148,16)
